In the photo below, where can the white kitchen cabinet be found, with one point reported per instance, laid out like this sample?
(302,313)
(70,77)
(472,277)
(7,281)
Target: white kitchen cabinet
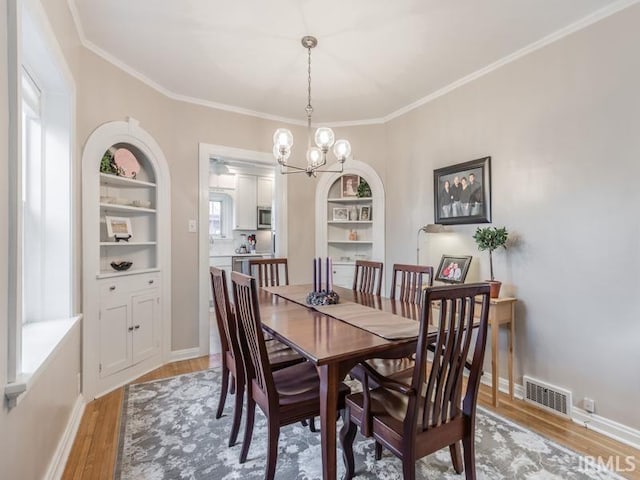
(245,214)
(222,182)
(129,322)
(265,192)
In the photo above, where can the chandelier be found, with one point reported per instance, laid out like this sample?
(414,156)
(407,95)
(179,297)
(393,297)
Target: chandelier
(324,137)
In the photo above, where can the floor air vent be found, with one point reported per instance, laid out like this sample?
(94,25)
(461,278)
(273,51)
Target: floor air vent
(554,399)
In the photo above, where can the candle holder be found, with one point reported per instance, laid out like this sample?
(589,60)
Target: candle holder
(320,296)
(323,298)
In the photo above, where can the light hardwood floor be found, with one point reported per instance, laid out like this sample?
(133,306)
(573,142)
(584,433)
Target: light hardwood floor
(94,450)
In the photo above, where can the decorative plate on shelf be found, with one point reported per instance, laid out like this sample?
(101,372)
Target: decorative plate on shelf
(126,163)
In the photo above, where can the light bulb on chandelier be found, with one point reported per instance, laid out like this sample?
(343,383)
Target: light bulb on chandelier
(324,137)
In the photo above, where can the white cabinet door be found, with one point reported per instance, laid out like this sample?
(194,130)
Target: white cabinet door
(245,215)
(115,345)
(144,316)
(343,275)
(265,191)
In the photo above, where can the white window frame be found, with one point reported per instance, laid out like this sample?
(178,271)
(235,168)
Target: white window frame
(226,214)
(33,45)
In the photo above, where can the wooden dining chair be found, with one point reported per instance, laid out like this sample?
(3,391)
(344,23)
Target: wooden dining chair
(273,272)
(427,412)
(412,279)
(279,355)
(270,272)
(285,396)
(412,282)
(367,277)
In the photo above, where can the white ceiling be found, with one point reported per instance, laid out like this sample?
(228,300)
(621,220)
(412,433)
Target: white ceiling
(373,57)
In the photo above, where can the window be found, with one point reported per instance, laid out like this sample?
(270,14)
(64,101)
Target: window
(42,251)
(220,211)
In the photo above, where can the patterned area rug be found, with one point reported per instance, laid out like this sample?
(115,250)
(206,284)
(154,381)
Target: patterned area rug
(169,431)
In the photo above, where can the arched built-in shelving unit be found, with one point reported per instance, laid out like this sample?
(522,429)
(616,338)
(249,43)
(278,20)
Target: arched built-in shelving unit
(332,235)
(127,314)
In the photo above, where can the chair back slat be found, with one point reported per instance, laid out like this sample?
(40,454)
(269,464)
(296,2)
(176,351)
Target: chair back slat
(368,277)
(270,272)
(412,282)
(251,338)
(222,309)
(442,401)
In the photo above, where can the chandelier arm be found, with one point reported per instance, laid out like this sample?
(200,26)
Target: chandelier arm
(295,169)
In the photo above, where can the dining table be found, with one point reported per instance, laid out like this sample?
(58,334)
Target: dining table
(334,345)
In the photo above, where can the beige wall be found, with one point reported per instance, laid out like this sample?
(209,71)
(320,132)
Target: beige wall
(563,128)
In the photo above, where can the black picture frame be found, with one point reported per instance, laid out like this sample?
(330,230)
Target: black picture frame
(449,206)
(453,268)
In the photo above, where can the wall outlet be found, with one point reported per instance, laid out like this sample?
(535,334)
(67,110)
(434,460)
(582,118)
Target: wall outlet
(589,404)
(193,226)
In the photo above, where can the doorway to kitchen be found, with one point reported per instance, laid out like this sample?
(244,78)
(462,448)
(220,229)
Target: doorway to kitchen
(242,215)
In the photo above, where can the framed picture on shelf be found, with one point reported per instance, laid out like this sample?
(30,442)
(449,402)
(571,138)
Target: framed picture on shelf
(350,186)
(119,227)
(453,268)
(462,193)
(365,213)
(340,214)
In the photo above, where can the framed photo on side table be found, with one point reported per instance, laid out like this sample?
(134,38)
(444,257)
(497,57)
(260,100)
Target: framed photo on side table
(462,193)
(453,268)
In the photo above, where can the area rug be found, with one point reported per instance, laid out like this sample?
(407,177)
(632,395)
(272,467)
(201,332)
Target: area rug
(168,431)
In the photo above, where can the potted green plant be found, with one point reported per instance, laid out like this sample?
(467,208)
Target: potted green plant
(490,238)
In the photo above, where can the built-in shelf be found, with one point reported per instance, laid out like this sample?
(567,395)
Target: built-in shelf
(112,274)
(125,208)
(350,222)
(361,242)
(350,200)
(116,181)
(126,244)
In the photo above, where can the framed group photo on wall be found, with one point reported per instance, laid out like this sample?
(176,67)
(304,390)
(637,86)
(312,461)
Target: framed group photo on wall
(462,193)
(453,268)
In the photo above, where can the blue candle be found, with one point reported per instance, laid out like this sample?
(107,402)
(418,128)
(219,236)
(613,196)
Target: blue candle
(328,274)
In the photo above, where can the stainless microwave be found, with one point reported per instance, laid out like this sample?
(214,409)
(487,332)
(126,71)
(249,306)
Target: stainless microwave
(264,218)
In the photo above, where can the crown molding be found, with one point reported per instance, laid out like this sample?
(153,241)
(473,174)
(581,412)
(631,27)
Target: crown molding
(537,45)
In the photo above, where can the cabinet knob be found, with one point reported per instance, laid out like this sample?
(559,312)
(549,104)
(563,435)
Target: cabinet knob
(150,282)
(136,327)
(130,329)
(112,288)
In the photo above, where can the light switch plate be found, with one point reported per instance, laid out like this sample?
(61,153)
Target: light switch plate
(193,226)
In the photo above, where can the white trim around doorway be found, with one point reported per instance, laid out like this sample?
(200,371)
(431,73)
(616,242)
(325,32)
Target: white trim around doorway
(205,152)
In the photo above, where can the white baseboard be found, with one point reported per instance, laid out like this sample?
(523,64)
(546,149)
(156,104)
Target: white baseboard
(61,455)
(605,426)
(503,385)
(614,430)
(184,354)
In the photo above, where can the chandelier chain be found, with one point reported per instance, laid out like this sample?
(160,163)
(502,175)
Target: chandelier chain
(309,107)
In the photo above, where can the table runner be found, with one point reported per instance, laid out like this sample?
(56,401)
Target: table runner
(384,324)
